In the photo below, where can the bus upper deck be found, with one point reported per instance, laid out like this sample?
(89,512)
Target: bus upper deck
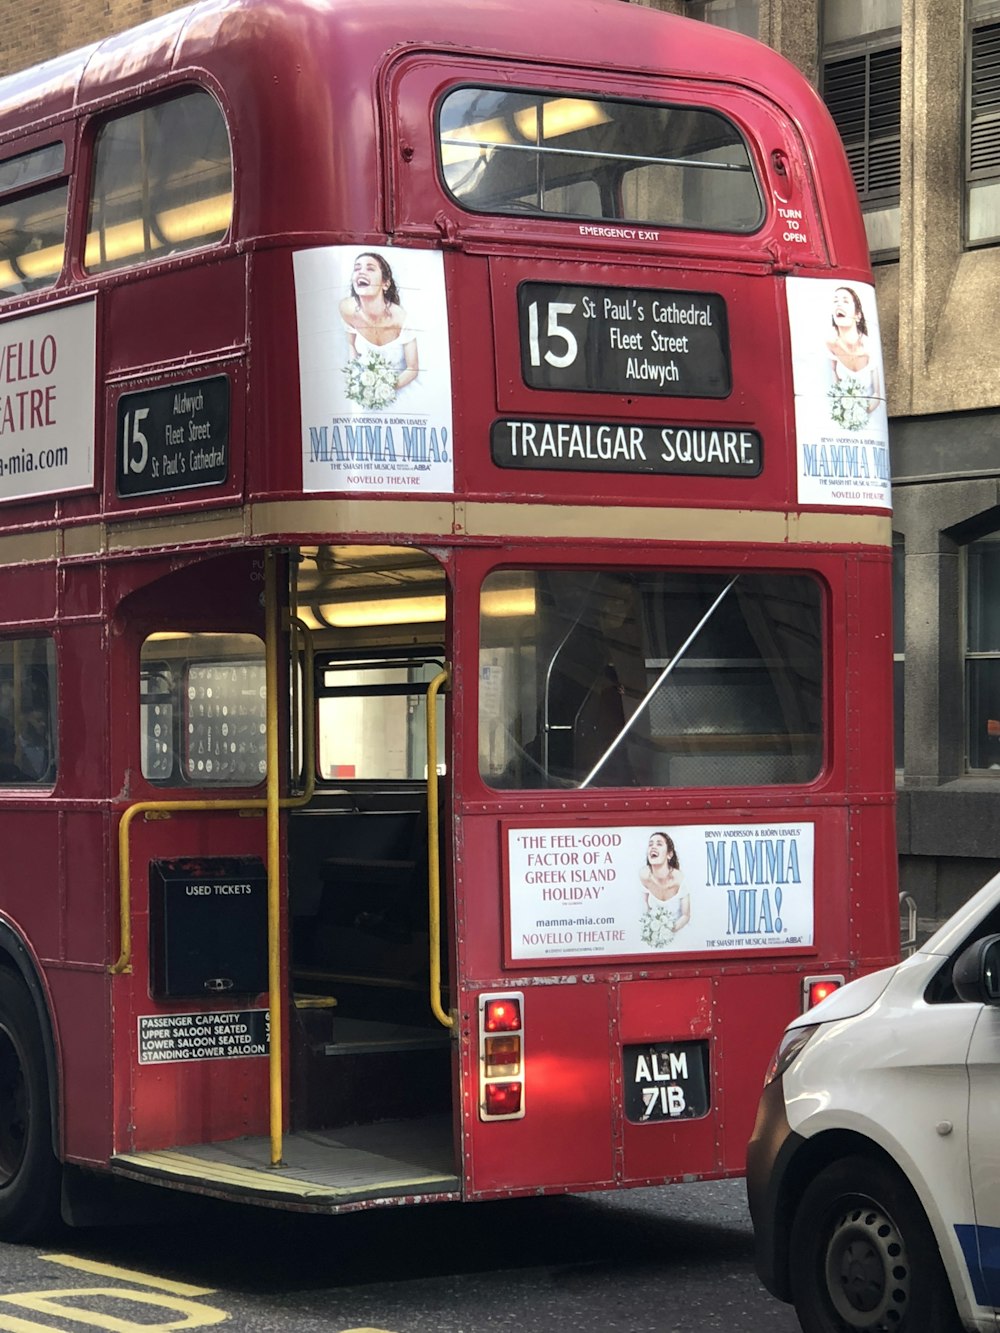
(601,227)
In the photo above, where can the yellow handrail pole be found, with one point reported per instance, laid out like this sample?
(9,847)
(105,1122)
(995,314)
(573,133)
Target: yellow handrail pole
(433,851)
(271,632)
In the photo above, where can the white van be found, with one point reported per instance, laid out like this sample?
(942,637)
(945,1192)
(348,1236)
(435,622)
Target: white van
(873,1173)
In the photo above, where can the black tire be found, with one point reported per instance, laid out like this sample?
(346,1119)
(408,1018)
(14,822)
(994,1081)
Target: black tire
(863,1256)
(30,1175)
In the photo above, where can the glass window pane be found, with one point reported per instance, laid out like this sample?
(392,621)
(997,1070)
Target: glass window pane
(28,731)
(898,592)
(202,710)
(983,712)
(163,183)
(522,152)
(983,596)
(737,15)
(32,240)
(372,717)
(844,20)
(26,168)
(615,678)
(882,229)
(984,211)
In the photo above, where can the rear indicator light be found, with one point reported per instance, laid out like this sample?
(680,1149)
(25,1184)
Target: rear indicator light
(501,1056)
(815,989)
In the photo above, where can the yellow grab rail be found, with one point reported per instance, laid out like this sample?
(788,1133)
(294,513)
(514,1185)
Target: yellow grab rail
(271,632)
(442,679)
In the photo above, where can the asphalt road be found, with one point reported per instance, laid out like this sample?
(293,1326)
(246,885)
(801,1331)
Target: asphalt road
(673,1260)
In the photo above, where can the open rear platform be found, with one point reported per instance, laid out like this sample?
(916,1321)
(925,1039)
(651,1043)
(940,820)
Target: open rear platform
(321,1171)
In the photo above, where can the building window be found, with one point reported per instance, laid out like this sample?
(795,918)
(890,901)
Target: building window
(898,641)
(737,15)
(982,653)
(982,130)
(862,56)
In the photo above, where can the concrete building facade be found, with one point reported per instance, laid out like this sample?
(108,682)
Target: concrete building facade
(915,88)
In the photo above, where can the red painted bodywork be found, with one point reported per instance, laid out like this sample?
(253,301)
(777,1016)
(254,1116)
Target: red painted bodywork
(330,106)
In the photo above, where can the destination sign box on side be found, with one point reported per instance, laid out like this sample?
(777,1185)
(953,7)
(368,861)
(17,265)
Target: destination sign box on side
(631,340)
(602,446)
(173,438)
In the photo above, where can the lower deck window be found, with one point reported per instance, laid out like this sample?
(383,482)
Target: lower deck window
(617,678)
(202,710)
(27,712)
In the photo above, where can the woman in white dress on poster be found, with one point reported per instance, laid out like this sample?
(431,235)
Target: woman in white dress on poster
(383,349)
(854,363)
(666,904)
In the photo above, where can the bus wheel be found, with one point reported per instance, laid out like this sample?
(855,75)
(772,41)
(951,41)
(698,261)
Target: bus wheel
(30,1176)
(863,1256)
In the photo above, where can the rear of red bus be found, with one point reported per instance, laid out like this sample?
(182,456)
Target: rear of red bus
(668,834)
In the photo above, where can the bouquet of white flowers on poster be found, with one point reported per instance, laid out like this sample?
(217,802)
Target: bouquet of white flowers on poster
(374,369)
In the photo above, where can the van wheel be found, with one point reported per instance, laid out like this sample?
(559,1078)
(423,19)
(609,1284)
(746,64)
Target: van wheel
(863,1256)
(30,1176)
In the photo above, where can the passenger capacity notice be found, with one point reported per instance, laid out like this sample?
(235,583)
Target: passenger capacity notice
(176,1038)
(632,340)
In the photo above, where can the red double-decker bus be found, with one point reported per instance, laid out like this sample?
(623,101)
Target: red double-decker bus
(445,725)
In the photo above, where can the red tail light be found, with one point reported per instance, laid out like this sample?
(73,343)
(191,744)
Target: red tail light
(503,1015)
(501,1056)
(503,1100)
(815,989)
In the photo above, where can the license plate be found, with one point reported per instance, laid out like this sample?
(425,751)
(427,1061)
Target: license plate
(666,1081)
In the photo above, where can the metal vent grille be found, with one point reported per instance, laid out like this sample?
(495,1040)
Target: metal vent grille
(984,117)
(863,94)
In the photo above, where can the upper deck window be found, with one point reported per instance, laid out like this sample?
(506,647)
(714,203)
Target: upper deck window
(163,183)
(33,225)
(506,151)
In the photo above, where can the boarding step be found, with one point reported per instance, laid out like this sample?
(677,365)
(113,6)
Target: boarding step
(320,1171)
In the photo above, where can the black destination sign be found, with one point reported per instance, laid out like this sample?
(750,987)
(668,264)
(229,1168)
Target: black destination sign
(632,340)
(173,438)
(603,446)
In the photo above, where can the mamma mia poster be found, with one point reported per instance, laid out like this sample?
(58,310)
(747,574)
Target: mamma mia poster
(575,892)
(841,424)
(374,369)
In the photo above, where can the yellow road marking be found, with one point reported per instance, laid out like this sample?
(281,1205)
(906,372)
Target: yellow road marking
(194,1316)
(165,1294)
(52,1303)
(127,1275)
